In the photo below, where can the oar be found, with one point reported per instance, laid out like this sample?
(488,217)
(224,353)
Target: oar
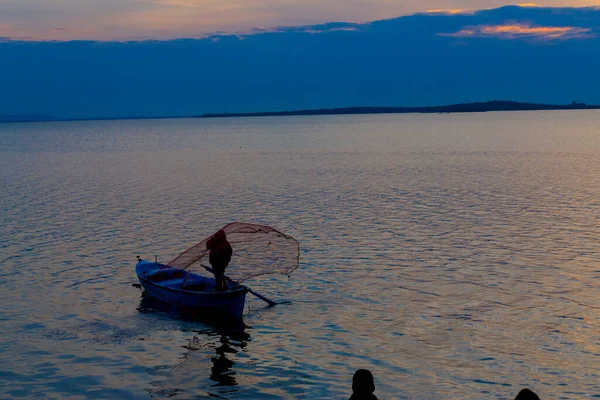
(260,296)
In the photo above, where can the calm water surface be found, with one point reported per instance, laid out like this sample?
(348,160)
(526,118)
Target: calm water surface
(455,256)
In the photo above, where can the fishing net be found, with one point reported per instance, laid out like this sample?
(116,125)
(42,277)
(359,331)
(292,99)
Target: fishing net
(257,250)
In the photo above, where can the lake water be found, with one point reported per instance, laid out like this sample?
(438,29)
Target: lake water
(455,256)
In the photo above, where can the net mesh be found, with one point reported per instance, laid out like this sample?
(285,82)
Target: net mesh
(257,250)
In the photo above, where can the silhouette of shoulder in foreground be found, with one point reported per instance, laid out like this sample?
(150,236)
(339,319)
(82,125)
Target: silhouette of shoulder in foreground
(363,385)
(527,394)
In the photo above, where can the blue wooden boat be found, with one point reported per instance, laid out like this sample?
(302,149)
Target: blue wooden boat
(187,290)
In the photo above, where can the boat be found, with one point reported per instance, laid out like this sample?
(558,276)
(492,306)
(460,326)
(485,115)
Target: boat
(257,250)
(189,291)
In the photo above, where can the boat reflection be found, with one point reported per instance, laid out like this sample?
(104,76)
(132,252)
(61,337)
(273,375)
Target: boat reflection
(222,370)
(216,339)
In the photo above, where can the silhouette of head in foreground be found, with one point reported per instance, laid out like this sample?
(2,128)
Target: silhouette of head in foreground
(527,394)
(363,385)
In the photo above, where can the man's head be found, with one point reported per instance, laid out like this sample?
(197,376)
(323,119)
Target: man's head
(216,240)
(362,382)
(219,237)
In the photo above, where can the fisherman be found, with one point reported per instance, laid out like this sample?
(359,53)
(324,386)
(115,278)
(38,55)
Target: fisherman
(219,257)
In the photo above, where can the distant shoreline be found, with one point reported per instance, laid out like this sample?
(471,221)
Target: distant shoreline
(488,106)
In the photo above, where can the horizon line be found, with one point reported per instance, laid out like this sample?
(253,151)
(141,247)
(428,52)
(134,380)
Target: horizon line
(454,108)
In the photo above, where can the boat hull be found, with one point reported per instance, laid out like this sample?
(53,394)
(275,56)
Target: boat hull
(165,283)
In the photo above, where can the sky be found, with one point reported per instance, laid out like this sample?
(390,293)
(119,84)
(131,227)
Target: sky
(170,19)
(458,52)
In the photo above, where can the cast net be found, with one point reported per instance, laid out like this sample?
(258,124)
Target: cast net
(257,250)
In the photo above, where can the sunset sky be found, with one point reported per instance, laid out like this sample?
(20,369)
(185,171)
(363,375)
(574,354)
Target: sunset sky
(277,55)
(169,19)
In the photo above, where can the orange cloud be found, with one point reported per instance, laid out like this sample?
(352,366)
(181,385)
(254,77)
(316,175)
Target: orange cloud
(450,12)
(516,31)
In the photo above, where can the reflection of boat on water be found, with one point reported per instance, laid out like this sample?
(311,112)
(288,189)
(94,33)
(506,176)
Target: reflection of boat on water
(209,361)
(232,339)
(222,371)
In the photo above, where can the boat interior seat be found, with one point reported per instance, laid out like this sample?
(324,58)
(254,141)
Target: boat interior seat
(164,274)
(174,278)
(194,283)
(202,286)
(173,283)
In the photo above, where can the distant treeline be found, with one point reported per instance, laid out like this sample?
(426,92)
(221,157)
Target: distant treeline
(453,108)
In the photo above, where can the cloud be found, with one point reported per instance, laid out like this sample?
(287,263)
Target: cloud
(169,19)
(520,31)
(459,11)
(451,12)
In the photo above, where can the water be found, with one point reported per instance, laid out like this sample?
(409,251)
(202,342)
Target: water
(455,256)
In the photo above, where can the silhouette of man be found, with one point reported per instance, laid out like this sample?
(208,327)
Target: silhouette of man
(363,385)
(527,394)
(219,257)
